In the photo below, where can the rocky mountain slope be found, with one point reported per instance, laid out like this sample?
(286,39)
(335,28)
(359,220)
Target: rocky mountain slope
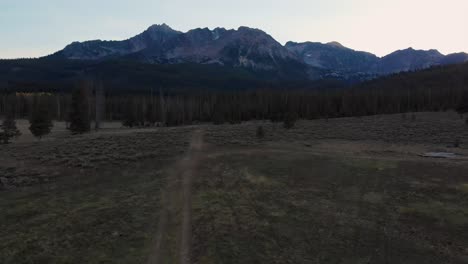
(256,50)
(160,44)
(342,61)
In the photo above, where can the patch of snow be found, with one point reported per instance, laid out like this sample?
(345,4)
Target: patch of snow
(215,34)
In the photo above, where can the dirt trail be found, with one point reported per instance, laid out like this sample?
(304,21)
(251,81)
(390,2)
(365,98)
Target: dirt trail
(176,206)
(189,166)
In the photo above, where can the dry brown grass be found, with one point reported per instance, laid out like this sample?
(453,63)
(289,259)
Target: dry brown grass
(96,198)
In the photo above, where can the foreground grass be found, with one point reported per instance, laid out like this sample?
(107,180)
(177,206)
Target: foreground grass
(274,207)
(96,198)
(88,219)
(85,199)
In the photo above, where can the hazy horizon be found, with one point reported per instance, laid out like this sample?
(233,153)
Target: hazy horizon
(32,29)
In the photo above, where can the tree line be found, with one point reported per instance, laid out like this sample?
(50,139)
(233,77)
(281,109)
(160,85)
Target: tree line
(40,118)
(172,109)
(437,89)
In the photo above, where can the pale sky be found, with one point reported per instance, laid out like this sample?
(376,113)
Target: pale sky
(32,28)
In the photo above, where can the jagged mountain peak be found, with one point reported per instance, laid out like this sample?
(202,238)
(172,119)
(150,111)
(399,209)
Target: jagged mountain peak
(218,32)
(253,32)
(157,32)
(245,28)
(254,48)
(161,27)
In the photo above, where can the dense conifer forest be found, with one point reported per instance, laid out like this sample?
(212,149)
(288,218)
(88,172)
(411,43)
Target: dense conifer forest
(434,89)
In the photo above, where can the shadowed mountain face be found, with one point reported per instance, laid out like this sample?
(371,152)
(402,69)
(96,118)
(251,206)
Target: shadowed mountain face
(411,59)
(155,35)
(343,61)
(159,44)
(255,50)
(408,60)
(334,57)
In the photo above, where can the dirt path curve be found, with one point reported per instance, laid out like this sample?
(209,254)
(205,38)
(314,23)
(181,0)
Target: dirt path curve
(176,207)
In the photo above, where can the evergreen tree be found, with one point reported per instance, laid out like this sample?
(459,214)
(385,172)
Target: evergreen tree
(463,104)
(40,121)
(140,114)
(9,129)
(218,118)
(79,113)
(130,114)
(290,120)
(151,115)
(462,107)
(260,132)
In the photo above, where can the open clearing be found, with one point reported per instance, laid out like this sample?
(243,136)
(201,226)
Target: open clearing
(348,190)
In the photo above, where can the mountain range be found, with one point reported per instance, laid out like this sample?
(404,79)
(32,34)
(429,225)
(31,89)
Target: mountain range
(255,50)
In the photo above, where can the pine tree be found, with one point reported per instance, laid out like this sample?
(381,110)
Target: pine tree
(79,114)
(99,105)
(151,115)
(463,104)
(40,121)
(130,115)
(9,129)
(218,118)
(260,132)
(290,120)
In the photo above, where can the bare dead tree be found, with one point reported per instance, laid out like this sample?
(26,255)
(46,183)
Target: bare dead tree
(99,103)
